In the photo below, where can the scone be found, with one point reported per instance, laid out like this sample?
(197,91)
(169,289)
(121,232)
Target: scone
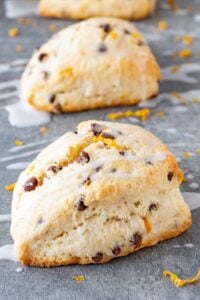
(95,63)
(83,9)
(102,191)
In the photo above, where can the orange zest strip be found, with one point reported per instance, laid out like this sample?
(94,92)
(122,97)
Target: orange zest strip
(147,224)
(181,282)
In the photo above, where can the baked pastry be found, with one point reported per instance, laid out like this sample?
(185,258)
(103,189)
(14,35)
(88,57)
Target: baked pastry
(83,9)
(103,191)
(96,63)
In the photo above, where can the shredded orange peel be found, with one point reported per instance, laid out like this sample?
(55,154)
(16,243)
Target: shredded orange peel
(181,282)
(142,114)
(162,25)
(185,53)
(147,224)
(108,142)
(10,187)
(19,143)
(13,32)
(79,278)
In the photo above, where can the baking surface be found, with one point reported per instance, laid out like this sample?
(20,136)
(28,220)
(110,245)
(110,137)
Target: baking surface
(138,276)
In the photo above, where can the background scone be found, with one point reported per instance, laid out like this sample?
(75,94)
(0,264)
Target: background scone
(96,63)
(103,191)
(83,9)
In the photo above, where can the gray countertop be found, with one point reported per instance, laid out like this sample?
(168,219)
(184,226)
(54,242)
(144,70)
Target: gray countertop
(138,276)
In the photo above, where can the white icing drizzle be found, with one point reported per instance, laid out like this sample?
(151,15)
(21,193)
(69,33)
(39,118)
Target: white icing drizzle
(30,145)
(194,185)
(18,166)
(5,218)
(187,245)
(19,8)
(197,18)
(181,74)
(31,116)
(190,176)
(192,199)
(7,253)
(189,96)
(19,270)
(29,153)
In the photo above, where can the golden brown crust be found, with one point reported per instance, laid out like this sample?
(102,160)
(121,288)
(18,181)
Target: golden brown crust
(56,11)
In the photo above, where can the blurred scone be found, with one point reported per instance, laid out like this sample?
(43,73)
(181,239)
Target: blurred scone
(95,63)
(102,191)
(83,9)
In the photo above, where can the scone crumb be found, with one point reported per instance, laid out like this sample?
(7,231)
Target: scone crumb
(147,224)
(113,35)
(175,69)
(162,25)
(19,143)
(13,32)
(79,278)
(53,27)
(44,130)
(24,21)
(185,53)
(187,154)
(177,281)
(10,187)
(159,114)
(142,114)
(19,48)
(172,3)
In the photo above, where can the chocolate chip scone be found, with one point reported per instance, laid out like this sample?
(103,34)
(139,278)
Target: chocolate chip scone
(102,191)
(83,9)
(96,63)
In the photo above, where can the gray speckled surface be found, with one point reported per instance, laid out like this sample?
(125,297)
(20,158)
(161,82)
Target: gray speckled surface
(138,276)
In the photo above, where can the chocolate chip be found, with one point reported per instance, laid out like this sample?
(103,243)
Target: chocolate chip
(96,128)
(102,48)
(126,31)
(148,162)
(153,206)
(98,257)
(40,221)
(45,74)
(136,240)
(107,135)
(76,131)
(114,170)
(116,250)
(170,176)
(106,27)
(137,203)
(52,98)
(30,184)
(80,204)
(83,158)
(58,108)
(141,43)
(122,153)
(42,56)
(54,169)
(98,169)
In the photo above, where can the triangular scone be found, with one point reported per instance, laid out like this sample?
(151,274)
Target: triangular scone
(103,191)
(96,63)
(83,9)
